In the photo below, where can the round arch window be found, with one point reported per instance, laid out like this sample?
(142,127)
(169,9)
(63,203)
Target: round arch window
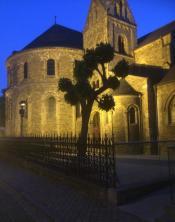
(133,115)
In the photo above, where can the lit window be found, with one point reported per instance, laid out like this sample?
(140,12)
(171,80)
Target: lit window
(50,67)
(25,70)
(171,111)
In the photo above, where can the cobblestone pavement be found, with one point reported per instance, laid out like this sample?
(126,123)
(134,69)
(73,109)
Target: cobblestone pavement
(28,197)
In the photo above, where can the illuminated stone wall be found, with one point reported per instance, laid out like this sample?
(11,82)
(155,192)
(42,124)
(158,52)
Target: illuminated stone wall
(95,30)
(165,93)
(37,89)
(156,53)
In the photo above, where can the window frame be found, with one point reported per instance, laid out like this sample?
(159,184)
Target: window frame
(26,70)
(51,71)
(136,117)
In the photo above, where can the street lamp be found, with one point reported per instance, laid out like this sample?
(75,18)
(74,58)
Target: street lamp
(22,111)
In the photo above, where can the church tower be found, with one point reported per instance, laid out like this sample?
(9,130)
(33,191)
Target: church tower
(111,21)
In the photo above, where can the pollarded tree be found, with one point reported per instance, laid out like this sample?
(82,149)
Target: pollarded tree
(80,90)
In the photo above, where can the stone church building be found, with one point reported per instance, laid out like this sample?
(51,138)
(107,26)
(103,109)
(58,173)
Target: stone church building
(145,100)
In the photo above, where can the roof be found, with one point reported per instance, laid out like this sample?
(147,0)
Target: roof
(58,36)
(125,89)
(152,36)
(154,73)
(169,77)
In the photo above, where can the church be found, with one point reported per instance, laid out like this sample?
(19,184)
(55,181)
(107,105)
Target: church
(145,100)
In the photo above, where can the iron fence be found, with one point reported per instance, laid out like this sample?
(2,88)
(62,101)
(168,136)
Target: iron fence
(171,165)
(105,162)
(61,152)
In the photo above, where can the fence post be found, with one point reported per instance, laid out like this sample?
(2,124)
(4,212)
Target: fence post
(115,176)
(106,162)
(171,176)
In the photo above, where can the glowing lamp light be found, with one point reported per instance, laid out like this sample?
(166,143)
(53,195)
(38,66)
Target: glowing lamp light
(23,104)
(22,108)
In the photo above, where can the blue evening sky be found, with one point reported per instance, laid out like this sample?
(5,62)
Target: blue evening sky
(23,20)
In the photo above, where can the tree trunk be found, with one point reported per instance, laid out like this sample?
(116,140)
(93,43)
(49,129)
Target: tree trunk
(82,141)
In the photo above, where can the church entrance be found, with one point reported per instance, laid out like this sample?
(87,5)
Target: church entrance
(96,124)
(133,124)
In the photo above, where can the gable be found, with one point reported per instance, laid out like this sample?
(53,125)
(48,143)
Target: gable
(119,9)
(94,9)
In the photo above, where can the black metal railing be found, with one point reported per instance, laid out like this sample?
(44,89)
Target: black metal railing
(171,166)
(97,164)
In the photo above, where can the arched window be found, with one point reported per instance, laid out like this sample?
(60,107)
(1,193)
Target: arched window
(117,9)
(126,13)
(96,84)
(25,70)
(96,120)
(133,115)
(171,111)
(51,108)
(121,44)
(50,67)
(121,7)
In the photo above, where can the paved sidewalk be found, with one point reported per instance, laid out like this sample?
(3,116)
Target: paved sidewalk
(27,197)
(140,169)
(150,207)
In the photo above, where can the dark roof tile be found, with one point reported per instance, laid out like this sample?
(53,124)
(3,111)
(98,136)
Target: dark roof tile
(125,89)
(58,36)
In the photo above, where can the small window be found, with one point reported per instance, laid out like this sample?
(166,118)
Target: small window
(121,8)
(171,111)
(50,67)
(96,84)
(132,115)
(117,9)
(25,70)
